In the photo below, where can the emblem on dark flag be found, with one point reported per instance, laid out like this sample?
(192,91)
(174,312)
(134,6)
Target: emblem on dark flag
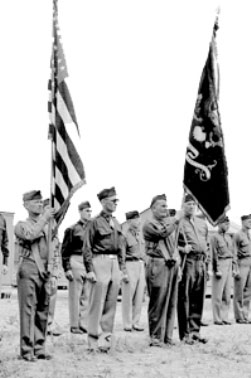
(205,171)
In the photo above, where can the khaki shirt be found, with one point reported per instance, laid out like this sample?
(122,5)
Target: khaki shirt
(242,244)
(134,246)
(222,248)
(35,232)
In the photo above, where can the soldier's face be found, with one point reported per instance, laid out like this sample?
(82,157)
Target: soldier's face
(135,223)
(110,204)
(189,208)
(225,226)
(85,214)
(34,206)
(160,209)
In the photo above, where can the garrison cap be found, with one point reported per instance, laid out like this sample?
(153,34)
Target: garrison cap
(245,217)
(188,197)
(32,195)
(157,198)
(132,215)
(224,219)
(105,193)
(84,205)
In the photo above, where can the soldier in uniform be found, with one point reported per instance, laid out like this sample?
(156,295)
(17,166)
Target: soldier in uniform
(162,272)
(224,265)
(4,247)
(4,244)
(242,280)
(133,289)
(104,261)
(193,250)
(72,257)
(35,277)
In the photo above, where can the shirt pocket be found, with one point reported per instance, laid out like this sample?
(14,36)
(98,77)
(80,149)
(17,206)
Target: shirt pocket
(222,249)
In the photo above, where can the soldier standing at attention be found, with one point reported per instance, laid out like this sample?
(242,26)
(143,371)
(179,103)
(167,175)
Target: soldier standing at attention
(104,260)
(242,280)
(4,247)
(34,281)
(72,257)
(224,266)
(162,272)
(4,244)
(133,289)
(193,248)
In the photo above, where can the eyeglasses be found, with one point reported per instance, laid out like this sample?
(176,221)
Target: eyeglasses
(115,201)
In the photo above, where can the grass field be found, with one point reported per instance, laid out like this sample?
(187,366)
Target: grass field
(227,354)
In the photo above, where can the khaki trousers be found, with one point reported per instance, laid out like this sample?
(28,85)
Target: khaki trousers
(221,291)
(103,300)
(133,293)
(33,308)
(242,289)
(78,293)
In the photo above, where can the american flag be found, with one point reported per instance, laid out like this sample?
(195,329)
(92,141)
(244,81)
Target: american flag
(67,168)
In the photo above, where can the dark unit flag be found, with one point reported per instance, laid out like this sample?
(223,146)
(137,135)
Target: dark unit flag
(67,168)
(205,172)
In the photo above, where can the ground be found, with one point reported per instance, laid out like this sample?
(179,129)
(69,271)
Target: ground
(227,354)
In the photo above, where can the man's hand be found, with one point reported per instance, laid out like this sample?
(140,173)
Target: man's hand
(69,275)
(48,212)
(124,277)
(188,248)
(4,269)
(91,276)
(218,274)
(236,275)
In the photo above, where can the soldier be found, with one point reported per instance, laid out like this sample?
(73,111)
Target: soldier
(162,272)
(224,265)
(133,289)
(242,281)
(4,247)
(4,244)
(72,257)
(193,250)
(104,260)
(35,278)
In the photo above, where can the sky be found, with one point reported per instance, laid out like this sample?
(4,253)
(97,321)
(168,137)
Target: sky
(134,69)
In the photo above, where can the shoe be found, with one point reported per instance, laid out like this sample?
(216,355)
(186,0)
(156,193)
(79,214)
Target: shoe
(170,342)
(200,339)
(241,321)
(28,358)
(103,349)
(138,328)
(43,356)
(54,332)
(127,329)
(187,340)
(76,331)
(203,324)
(248,321)
(225,322)
(155,343)
(218,323)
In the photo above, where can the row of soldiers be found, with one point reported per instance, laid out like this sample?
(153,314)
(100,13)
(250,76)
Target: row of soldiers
(98,258)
